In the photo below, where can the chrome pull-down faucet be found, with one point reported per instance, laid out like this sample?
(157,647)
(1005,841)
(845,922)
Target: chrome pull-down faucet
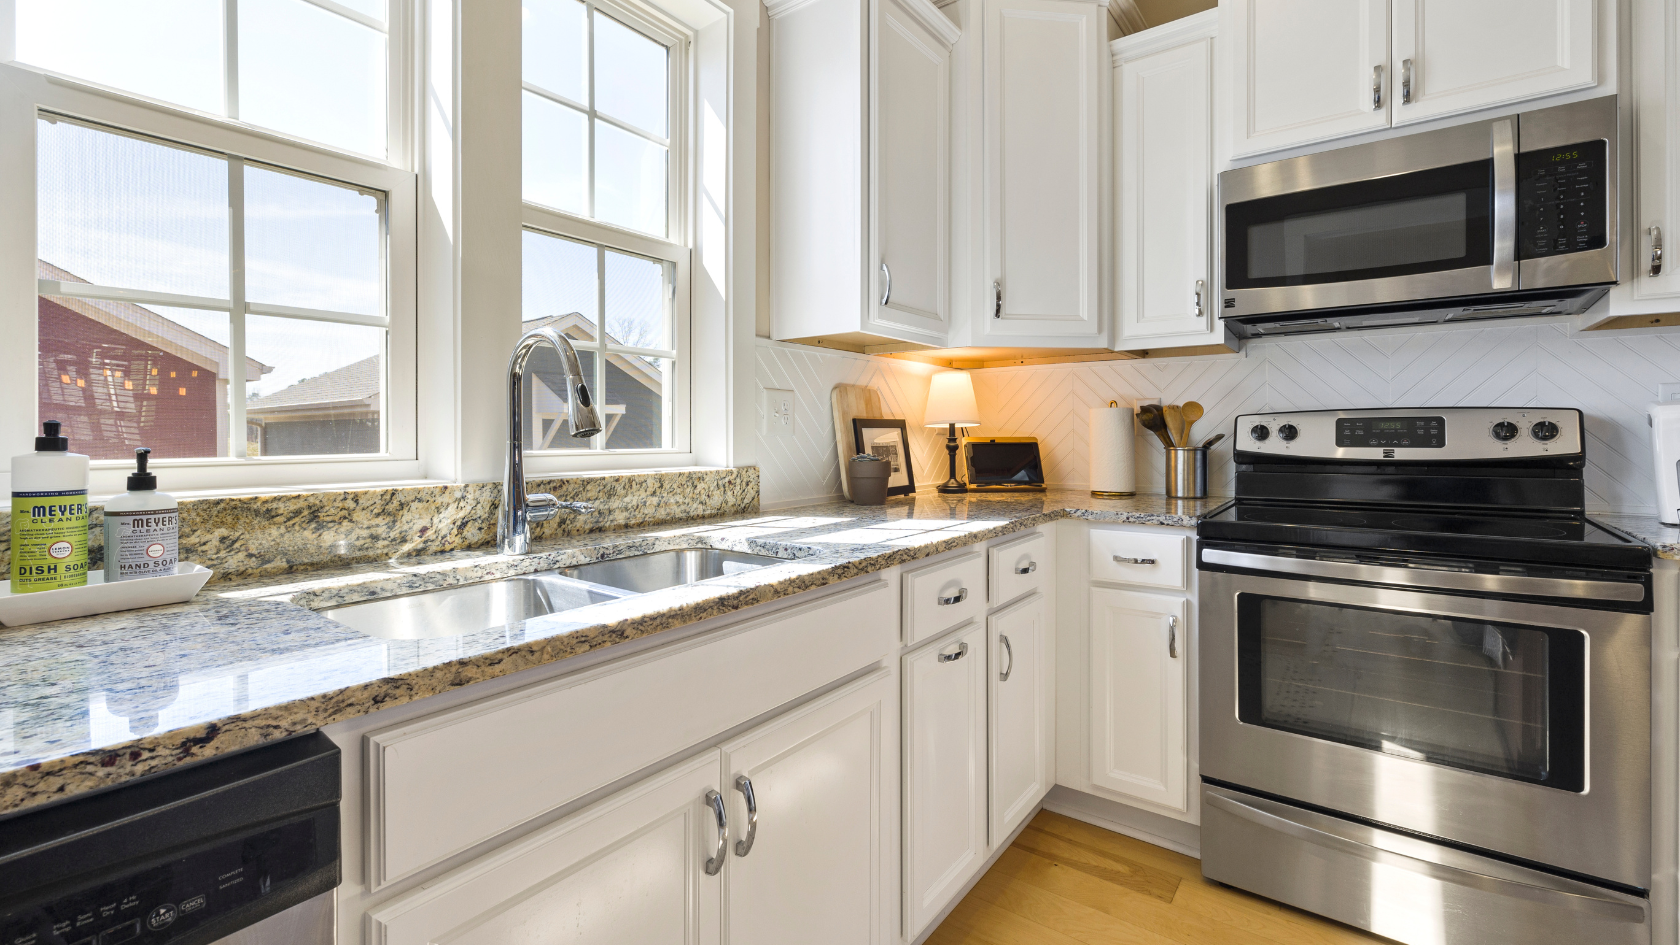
(513,523)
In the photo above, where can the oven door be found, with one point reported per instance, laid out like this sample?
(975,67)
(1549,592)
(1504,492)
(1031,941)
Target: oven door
(1426,216)
(1517,728)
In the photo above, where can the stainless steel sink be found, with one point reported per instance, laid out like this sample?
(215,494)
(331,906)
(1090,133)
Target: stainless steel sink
(470,608)
(661,569)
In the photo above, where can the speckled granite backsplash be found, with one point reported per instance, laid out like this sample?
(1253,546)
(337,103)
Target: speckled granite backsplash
(252,536)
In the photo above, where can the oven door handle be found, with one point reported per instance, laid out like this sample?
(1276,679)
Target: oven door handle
(1324,831)
(1504,269)
(1423,577)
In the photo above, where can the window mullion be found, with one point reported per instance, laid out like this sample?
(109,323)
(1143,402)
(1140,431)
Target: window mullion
(236,315)
(230,57)
(589,30)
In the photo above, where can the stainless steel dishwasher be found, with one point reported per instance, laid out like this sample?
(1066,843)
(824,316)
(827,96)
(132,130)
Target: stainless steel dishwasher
(242,848)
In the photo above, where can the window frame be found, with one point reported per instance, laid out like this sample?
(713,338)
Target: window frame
(676,249)
(28,93)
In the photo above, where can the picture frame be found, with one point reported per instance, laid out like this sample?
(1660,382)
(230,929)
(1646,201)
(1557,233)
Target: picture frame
(890,440)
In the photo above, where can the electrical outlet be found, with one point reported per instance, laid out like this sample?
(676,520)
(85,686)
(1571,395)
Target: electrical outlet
(778,412)
(1668,393)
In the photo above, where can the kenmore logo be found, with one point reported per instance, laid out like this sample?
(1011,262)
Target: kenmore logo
(1231,301)
(1388,454)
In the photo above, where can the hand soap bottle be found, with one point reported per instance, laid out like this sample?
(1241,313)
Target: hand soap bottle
(49,515)
(142,528)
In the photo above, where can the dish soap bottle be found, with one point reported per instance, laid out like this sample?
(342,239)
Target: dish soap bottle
(142,528)
(49,515)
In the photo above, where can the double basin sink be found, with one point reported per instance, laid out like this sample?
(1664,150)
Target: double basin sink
(453,611)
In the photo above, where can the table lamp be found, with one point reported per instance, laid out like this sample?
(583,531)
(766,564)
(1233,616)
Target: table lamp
(951,404)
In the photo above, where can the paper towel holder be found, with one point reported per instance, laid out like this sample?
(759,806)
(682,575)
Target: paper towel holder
(1100,494)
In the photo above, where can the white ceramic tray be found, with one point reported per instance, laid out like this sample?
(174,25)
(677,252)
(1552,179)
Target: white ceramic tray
(97,597)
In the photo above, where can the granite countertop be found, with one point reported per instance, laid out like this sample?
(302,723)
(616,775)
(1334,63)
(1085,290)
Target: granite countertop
(1663,539)
(92,702)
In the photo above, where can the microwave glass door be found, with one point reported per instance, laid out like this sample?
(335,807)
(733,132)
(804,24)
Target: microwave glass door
(1425,221)
(1496,698)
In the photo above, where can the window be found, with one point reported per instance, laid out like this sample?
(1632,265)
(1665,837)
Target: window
(205,305)
(597,113)
(312,69)
(604,258)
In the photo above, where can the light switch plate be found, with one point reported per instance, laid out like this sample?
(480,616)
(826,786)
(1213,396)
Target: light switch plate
(778,412)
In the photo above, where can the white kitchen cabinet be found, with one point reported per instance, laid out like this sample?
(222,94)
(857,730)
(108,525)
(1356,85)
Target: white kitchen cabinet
(1164,145)
(1452,56)
(1306,70)
(944,714)
(818,865)
(1022,713)
(630,870)
(860,171)
(1030,83)
(1656,122)
(1139,653)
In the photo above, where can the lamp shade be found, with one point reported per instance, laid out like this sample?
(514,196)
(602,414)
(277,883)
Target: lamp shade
(951,400)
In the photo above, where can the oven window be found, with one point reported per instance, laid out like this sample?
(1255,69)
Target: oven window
(1425,221)
(1496,698)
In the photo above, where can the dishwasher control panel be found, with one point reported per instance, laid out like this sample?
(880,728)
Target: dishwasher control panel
(184,898)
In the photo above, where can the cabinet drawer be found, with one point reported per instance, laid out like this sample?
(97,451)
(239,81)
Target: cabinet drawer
(1016,568)
(441,784)
(1155,560)
(939,597)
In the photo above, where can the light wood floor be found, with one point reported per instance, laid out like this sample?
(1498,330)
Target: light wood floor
(1064,882)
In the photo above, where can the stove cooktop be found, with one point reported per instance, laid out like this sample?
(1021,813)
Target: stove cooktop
(1526,538)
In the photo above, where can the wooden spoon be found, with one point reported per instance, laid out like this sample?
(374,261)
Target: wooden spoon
(1175,423)
(1192,412)
(1150,418)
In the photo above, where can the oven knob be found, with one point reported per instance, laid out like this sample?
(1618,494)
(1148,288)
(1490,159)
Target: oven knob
(1544,430)
(1259,431)
(1287,432)
(1505,430)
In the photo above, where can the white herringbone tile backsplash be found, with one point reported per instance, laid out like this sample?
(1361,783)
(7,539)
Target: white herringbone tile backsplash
(1610,376)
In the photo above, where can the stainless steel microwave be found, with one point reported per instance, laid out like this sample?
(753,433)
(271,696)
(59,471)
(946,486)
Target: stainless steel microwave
(1493,219)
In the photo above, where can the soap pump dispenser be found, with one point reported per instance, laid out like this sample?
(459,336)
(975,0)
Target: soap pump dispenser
(142,528)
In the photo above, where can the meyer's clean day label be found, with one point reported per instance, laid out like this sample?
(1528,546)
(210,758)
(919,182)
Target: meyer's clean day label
(49,540)
(146,543)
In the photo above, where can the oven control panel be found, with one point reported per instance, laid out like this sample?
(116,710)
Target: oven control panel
(1442,434)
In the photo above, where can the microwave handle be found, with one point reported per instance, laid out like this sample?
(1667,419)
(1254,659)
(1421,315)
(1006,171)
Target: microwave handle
(1504,269)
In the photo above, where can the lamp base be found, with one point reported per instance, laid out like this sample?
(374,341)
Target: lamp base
(952,485)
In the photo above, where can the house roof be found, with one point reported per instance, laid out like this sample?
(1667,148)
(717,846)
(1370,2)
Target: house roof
(147,326)
(578,328)
(355,384)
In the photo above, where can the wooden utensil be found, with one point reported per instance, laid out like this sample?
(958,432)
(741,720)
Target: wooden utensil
(1192,412)
(1150,418)
(1174,415)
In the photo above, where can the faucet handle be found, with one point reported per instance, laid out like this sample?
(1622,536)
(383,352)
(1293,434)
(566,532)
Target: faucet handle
(540,507)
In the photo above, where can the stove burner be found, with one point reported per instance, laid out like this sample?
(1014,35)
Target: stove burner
(1300,517)
(1496,528)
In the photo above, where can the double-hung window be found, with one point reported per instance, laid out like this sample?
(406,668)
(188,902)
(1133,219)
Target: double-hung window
(223,216)
(606,241)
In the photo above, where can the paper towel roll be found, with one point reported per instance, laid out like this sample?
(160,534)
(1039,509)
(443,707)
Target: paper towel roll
(1113,467)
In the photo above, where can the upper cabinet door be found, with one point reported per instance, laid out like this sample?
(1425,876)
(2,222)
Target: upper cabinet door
(1046,73)
(1656,120)
(1166,188)
(1307,70)
(912,199)
(810,858)
(1454,56)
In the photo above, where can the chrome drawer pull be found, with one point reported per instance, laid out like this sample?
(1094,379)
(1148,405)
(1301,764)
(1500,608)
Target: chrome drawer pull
(957,598)
(1122,559)
(961,651)
(1405,82)
(886,275)
(1172,636)
(715,864)
(1027,568)
(1656,252)
(744,785)
(1010,652)
(1376,88)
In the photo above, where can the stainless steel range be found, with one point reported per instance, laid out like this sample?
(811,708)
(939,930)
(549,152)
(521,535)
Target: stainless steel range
(1425,679)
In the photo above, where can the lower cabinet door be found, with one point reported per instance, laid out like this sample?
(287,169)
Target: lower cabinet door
(630,870)
(1140,659)
(1022,765)
(811,812)
(944,772)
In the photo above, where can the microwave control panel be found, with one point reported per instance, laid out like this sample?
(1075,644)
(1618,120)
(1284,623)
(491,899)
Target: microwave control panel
(1561,200)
